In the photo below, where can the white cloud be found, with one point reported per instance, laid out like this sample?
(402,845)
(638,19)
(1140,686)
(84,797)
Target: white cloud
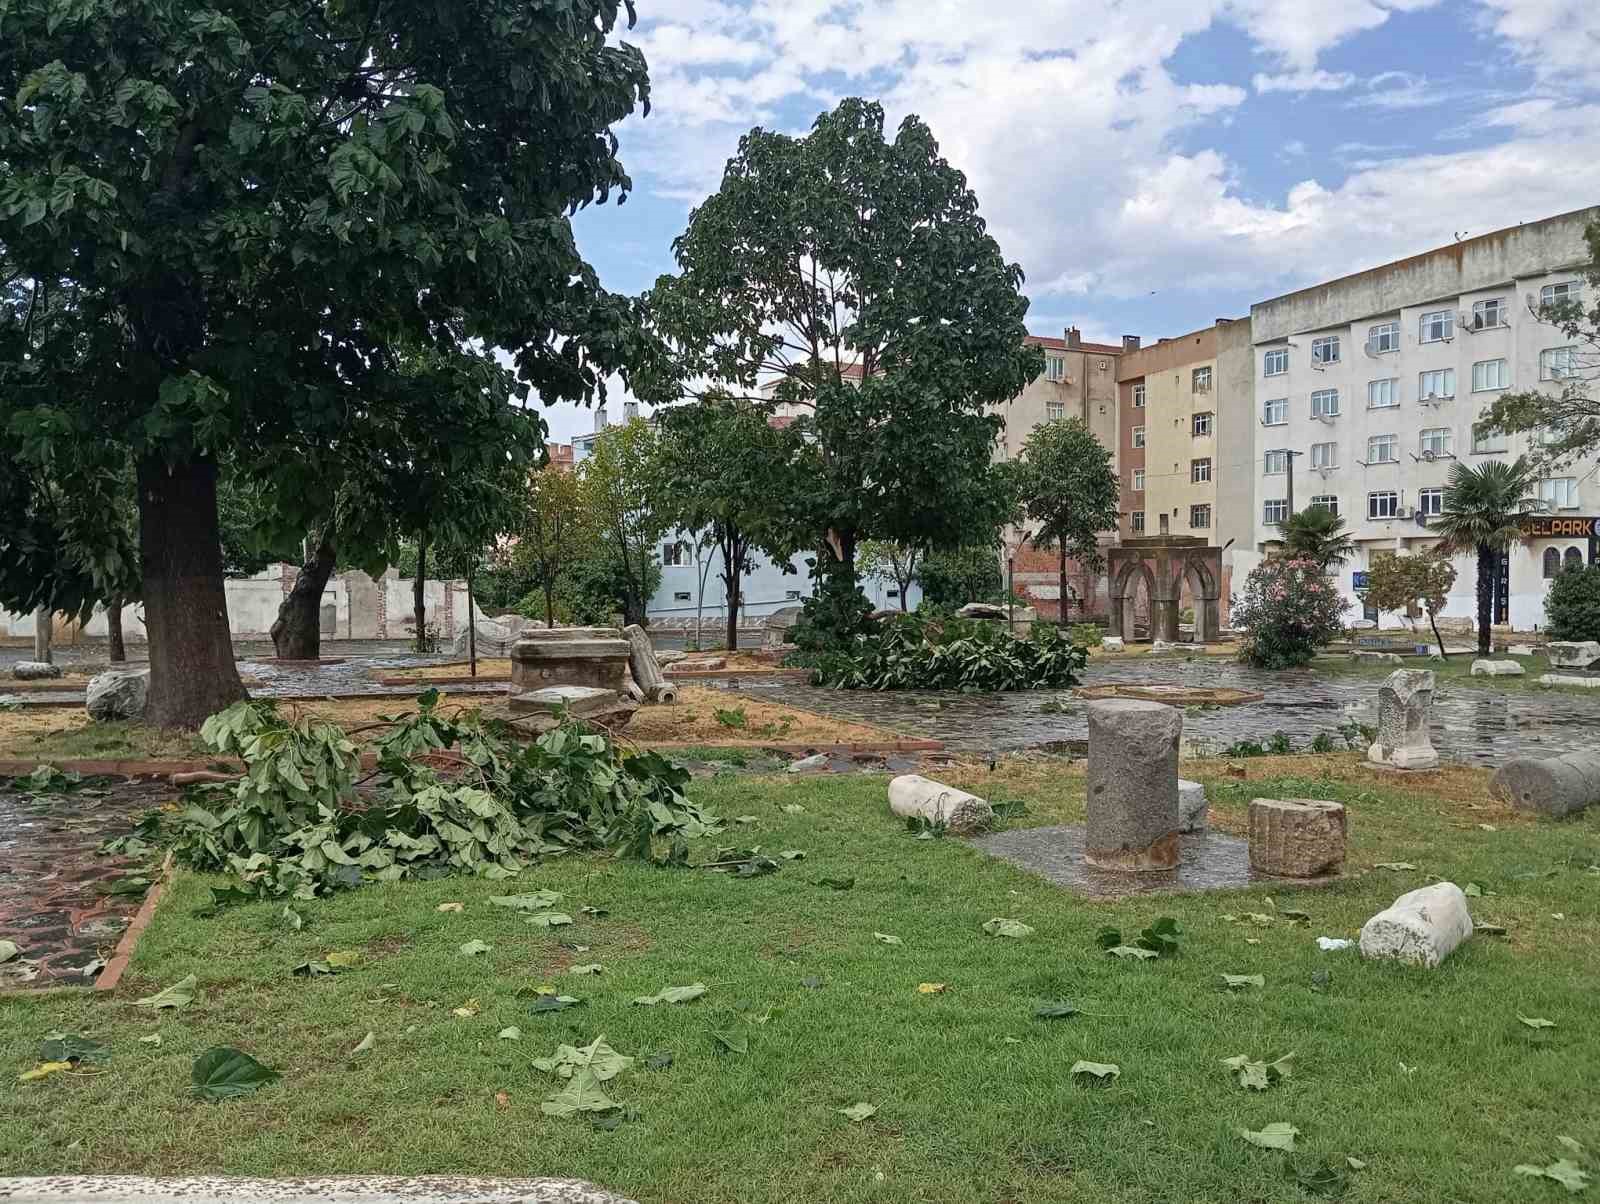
(1558,39)
(1304,81)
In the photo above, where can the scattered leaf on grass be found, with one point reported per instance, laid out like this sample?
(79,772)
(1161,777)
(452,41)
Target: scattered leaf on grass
(1235,982)
(660,1061)
(311,969)
(793,809)
(8,950)
(1472,890)
(1258,917)
(1573,1144)
(43,1071)
(1536,1021)
(858,1112)
(1132,951)
(1103,1072)
(70,1047)
(554,1003)
(595,913)
(1488,827)
(1279,1135)
(1563,1170)
(474,947)
(512,1033)
(1320,980)
(793,855)
(811,984)
(1294,915)
(1321,1179)
(1108,938)
(223,1072)
(152,1039)
(1397,866)
(549,919)
(292,919)
(451,907)
(1258,1076)
(1161,937)
(673,995)
(467,1010)
(179,994)
(837,883)
(746,819)
(728,1042)
(343,959)
(887,938)
(1012,928)
(598,1058)
(539,900)
(931,988)
(1488,929)
(1056,1009)
(367,1044)
(591,968)
(1355,1164)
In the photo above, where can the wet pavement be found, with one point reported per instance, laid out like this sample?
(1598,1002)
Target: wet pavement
(54,882)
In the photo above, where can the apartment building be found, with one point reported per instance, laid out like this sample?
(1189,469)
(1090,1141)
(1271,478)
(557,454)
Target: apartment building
(1368,388)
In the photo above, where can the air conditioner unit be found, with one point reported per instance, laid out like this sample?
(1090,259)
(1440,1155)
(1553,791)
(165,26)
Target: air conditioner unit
(1471,323)
(1407,512)
(1430,456)
(1371,348)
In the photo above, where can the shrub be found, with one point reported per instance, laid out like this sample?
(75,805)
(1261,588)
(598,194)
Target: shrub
(953,578)
(1572,607)
(834,615)
(1086,635)
(911,652)
(1288,611)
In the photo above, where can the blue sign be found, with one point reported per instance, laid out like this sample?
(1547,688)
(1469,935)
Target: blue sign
(1358,581)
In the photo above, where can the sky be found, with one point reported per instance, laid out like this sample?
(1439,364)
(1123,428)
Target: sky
(1155,164)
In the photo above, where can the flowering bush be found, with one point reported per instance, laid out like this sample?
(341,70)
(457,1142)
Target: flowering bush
(1288,611)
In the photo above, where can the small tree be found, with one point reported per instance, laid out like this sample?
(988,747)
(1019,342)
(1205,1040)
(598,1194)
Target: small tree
(1572,607)
(1483,512)
(961,575)
(1397,582)
(1288,611)
(1069,489)
(621,479)
(555,524)
(1318,535)
(887,560)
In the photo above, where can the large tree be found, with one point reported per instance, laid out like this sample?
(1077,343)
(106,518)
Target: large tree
(249,202)
(849,278)
(556,523)
(1483,512)
(1069,491)
(729,473)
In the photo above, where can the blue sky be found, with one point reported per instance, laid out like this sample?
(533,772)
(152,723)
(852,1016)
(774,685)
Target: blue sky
(1152,165)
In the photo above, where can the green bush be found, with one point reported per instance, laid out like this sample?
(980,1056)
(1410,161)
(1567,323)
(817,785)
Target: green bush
(911,652)
(833,616)
(1572,607)
(954,578)
(1287,611)
(1086,635)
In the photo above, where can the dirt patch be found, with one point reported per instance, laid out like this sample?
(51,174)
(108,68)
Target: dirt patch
(723,718)
(489,669)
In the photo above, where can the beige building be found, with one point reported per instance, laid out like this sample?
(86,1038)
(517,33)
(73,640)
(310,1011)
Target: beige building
(1079,381)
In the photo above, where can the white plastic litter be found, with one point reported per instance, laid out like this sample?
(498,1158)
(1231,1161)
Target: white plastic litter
(1329,943)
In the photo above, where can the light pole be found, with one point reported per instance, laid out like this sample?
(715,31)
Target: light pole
(1290,455)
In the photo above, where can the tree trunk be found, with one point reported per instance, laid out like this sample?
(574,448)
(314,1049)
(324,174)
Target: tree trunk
(192,672)
(732,560)
(549,600)
(419,595)
(472,628)
(117,650)
(1434,623)
(297,631)
(1486,572)
(1061,603)
(43,617)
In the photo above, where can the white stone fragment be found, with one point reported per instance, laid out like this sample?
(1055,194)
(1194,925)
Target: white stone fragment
(913,796)
(1484,668)
(1569,679)
(120,694)
(1112,643)
(815,761)
(1572,654)
(1191,806)
(1421,927)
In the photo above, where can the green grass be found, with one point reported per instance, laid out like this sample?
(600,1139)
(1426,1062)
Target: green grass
(975,1102)
(1455,670)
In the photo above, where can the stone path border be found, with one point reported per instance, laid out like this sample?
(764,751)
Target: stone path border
(351,1189)
(109,977)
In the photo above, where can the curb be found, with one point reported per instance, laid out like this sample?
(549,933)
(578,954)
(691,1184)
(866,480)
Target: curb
(108,978)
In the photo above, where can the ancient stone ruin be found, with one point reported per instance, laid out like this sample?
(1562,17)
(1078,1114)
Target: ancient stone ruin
(581,671)
(1405,706)
(1422,927)
(912,796)
(1297,837)
(1133,785)
(1553,786)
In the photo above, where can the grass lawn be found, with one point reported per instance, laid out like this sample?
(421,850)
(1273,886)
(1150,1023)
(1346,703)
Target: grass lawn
(1454,670)
(1428,1077)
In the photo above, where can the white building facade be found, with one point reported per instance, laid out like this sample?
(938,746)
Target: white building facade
(1371,387)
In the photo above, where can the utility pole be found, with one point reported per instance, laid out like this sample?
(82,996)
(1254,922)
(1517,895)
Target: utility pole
(1291,454)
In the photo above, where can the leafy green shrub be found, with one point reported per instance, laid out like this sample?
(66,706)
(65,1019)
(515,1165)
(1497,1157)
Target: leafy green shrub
(296,825)
(969,574)
(1288,611)
(1572,607)
(834,615)
(910,652)
(1086,635)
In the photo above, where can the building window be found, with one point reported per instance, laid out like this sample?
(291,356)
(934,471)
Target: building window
(1441,383)
(1275,362)
(1275,510)
(1275,463)
(1437,326)
(1490,374)
(1557,363)
(1552,562)
(1275,412)
(1430,502)
(1383,394)
(675,553)
(1138,480)
(1325,403)
(1200,380)
(1383,449)
(1566,290)
(1489,313)
(1559,493)
(893,593)
(1200,518)
(1573,559)
(681,595)
(1138,436)
(1324,455)
(1383,504)
(1136,521)
(1199,471)
(1325,350)
(1436,441)
(1055,367)
(1138,397)
(1383,337)
(791,595)
(1486,439)
(1202,425)
(1325,501)
(1054,411)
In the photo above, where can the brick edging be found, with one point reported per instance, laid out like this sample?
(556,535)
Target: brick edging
(109,977)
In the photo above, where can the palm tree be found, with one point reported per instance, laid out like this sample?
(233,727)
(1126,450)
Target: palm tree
(1318,535)
(1484,509)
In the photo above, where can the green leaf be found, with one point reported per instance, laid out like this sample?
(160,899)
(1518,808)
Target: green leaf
(70,1047)
(1132,951)
(554,1003)
(542,900)
(292,919)
(1295,916)
(1321,1179)
(343,959)
(311,969)
(1536,1021)
(1235,982)
(793,855)
(1108,938)
(1258,1076)
(366,1044)
(1056,1009)
(1397,866)
(583,1093)
(151,1039)
(550,919)
(1472,890)
(837,883)
(887,938)
(660,1061)
(672,995)
(512,1033)
(1104,1072)
(858,1112)
(597,1058)
(591,968)
(8,950)
(1355,1164)
(1161,937)
(1011,928)
(1488,929)
(474,948)
(730,1042)
(1563,1171)
(179,994)
(1279,1135)
(223,1073)
(793,809)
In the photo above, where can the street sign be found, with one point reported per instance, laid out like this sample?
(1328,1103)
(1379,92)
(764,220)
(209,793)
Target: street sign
(1358,581)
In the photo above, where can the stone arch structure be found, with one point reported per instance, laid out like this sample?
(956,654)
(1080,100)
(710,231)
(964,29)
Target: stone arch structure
(1165,562)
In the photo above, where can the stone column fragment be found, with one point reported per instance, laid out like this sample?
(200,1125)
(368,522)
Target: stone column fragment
(1553,786)
(1405,705)
(1296,837)
(1133,785)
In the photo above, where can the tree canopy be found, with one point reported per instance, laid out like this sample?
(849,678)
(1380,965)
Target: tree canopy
(1483,512)
(1068,490)
(248,206)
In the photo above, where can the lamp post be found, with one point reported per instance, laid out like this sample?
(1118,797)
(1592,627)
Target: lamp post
(1011,581)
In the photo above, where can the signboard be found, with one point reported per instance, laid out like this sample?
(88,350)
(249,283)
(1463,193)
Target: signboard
(1358,581)
(1550,526)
